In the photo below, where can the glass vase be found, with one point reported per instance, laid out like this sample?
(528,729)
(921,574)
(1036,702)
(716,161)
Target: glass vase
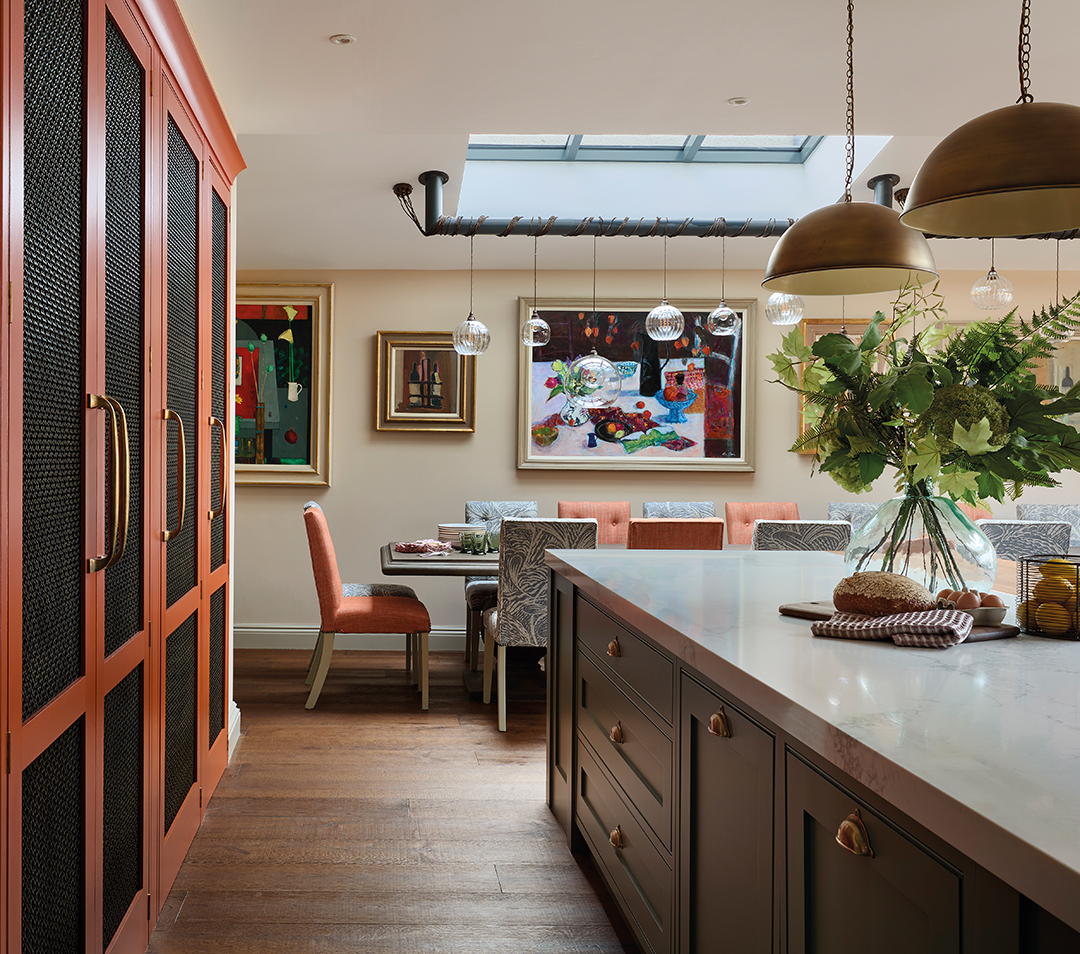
(926,538)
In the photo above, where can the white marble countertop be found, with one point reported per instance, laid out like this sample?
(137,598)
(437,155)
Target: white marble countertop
(980,743)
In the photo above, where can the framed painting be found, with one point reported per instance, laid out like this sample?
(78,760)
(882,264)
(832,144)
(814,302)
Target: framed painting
(685,404)
(1062,369)
(423,384)
(282,379)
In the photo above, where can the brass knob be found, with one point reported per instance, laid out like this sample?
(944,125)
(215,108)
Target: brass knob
(616,734)
(616,838)
(719,724)
(852,836)
(613,648)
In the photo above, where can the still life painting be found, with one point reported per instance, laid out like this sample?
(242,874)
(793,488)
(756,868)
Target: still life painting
(684,403)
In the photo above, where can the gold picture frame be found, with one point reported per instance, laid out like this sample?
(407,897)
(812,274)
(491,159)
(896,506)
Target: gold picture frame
(423,384)
(282,381)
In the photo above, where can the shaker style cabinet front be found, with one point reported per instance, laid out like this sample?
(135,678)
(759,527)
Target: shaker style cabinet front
(113,694)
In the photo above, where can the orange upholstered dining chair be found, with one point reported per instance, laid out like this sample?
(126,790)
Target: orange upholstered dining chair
(675,533)
(612,517)
(359,608)
(741,516)
(974,513)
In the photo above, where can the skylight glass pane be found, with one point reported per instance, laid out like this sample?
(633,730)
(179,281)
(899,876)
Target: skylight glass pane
(638,141)
(483,139)
(753,142)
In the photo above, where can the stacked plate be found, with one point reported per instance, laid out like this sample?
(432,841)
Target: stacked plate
(451,532)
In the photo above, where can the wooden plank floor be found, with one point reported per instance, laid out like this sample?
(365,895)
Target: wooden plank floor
(367,825)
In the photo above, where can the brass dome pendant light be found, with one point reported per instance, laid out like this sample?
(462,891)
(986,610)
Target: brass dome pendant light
(1012,171)
(849,248)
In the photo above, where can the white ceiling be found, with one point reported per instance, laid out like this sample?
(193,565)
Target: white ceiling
(327,130)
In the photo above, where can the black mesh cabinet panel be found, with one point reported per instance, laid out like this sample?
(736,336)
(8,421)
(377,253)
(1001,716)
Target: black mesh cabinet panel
(53,847)
(123,801)
(180,701)
(124,225)
(182,277)
(53,400)
(217,664)
(218,326)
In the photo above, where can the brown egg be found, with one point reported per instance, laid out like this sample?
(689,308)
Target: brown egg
(945,594)
(990,600)
(967,600)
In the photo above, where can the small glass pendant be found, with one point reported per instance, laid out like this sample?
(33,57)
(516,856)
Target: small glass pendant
(723,321)
(471,336)
(535,332)
(992,292)
(664,322)
(784,309)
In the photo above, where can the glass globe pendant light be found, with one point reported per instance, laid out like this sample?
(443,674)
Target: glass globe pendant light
(665,321)
(784,309)
(535,332)
(722,320)
(471,336)
(849,248)
(592,380)
(1011,171)
(993,291)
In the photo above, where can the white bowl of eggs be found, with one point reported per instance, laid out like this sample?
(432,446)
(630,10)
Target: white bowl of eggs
(985,609)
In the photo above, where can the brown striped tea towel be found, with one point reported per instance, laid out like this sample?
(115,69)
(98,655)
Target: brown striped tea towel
(935,629)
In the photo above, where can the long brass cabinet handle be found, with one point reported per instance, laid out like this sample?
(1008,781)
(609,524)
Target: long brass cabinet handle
(93,564)
(222,487)
(181,475)
(853,836)
(616,838)
(616,734)
(613,648)
(124,481)
(719,724)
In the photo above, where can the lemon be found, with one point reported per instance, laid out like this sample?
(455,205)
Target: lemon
(1053,618)
(1026,613)
(1058,568)
(1053,589)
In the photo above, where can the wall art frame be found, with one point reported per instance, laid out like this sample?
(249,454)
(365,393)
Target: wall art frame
(715,432)
(423,384)
(283,357)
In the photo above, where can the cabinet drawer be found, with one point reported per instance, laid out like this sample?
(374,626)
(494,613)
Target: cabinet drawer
(637,872)
(627,658)
(641,761)
(903,900)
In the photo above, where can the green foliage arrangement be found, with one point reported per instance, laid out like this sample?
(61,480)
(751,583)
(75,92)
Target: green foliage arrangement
(952,407)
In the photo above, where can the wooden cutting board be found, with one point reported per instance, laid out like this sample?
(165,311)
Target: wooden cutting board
(823,609)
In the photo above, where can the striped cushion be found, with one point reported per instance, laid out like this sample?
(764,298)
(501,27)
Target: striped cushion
(801,535)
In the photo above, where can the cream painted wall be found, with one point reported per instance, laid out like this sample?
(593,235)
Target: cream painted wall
(399,486)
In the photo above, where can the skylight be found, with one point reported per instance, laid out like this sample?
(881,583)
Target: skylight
(680,148)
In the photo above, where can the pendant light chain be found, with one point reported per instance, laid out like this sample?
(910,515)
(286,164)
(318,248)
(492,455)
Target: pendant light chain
(1024,53)
(850,149)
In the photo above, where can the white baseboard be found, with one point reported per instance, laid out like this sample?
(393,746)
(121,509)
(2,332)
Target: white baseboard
(234,726)
(303,637)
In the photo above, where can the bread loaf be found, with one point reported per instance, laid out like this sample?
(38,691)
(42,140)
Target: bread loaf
(876,593)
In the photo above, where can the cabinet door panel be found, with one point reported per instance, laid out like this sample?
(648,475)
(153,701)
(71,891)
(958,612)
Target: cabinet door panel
(726,829)
(903,900)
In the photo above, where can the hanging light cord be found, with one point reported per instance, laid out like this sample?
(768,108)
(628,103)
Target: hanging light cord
(1057,272)
(992,269)
(536,238)
(723,267)
(665,261)
(594,274)
(471,237)
(1024,53)
(851,99)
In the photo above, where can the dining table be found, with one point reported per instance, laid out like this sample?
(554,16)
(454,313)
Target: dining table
(454,563)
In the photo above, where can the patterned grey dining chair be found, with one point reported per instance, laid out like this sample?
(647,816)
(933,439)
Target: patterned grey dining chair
(481,591)
(855,512)
(801,535)
(1069,513)
(1014,539)
(520,617)
(678,509)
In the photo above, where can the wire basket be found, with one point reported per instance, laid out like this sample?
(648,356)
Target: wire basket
(1047,589)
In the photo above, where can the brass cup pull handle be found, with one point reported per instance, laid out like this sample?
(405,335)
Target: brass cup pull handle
(181,475)
(719,724)
(616,734)
(93,564)
(616,838)
(223,488)
(124,481)
(613,648)
(853,836)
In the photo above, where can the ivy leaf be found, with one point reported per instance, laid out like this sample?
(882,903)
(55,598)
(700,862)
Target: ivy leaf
(870,467)
(926,457)
(833,345)
(794,344)
(991,485)
(882,392)
(958,482)
(785,369)
(914,392)
(872,336)
(849,363)
(976,439)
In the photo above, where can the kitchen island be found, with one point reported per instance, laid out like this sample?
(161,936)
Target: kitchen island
(964,763)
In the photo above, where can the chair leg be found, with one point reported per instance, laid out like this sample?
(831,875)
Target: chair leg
(316,655)
(408,652)
(489,658)
(423,638)
(502,688)
(327,640)
(474,625)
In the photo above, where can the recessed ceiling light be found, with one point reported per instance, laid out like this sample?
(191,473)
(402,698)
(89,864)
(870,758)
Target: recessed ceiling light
(343,39)
(738,100)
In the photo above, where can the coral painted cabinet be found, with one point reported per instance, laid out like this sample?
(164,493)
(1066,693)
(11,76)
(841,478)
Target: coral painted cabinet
(114,556)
